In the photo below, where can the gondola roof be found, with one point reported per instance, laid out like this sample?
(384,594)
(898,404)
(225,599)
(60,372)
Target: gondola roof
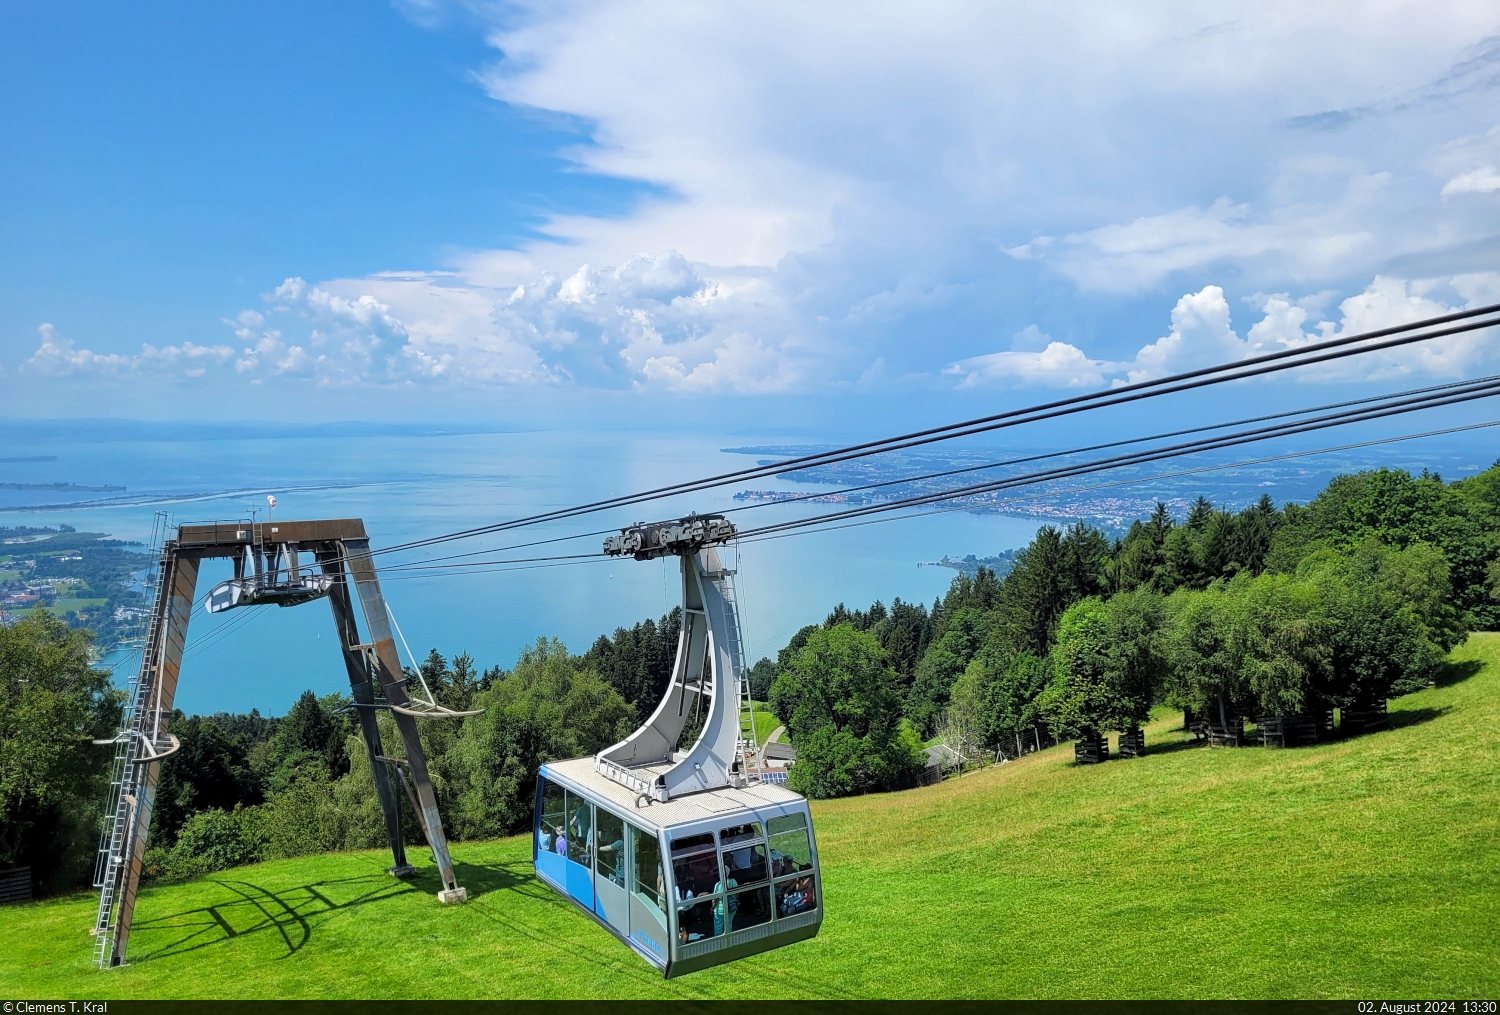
(704,806)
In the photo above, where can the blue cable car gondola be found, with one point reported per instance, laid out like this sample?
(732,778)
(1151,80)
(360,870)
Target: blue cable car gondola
(686,856)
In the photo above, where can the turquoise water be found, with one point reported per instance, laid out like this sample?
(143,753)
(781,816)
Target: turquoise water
(410,486)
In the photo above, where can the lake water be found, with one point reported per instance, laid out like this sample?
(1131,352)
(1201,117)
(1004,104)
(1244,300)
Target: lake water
(408,486)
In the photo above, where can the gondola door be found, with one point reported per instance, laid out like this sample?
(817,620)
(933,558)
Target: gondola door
(610,900)
(648,894)
(580,867)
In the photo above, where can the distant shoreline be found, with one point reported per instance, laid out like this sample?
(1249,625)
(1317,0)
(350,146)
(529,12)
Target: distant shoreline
(58,486)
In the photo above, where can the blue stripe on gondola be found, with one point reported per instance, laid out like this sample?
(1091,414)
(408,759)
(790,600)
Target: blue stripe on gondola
(552,867)
(579,883)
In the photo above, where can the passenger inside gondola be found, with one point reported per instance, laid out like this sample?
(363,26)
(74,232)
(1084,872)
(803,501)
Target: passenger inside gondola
(796,896)
(736,834)
(749,862)
(611,854)
(694,923)
(695,866)
(783,865)
(724,909)
(550,827)
(579,830)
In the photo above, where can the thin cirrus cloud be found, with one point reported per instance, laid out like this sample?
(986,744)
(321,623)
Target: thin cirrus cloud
(1130,257)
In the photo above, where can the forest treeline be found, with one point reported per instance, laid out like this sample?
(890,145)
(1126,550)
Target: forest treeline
(1343,602)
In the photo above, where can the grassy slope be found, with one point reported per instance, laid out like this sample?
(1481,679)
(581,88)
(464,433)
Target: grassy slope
(765,722)
(1367,868)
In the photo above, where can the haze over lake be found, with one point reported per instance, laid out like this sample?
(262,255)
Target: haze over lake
(407,486)
(412,482)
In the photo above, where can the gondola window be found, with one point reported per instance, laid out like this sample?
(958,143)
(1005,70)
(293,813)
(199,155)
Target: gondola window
(744,855)
(791,865)
(695,866)
(750,908)
(698,921)
(611,850)
(579,830)
(795,895)
(648,885)
(648,889)
(551,836)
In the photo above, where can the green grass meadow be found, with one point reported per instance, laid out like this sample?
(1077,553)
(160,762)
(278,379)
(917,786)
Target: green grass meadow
(765,722)
(1366,868)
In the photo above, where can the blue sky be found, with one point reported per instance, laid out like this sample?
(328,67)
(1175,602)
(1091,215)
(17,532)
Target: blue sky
(834,215)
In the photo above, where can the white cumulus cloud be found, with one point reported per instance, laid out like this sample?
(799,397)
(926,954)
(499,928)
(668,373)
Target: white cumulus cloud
(56,356)
(1034,359)
(654,321)
(1478,181)
(1203,334)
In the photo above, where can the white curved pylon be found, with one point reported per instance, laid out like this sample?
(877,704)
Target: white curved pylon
(707,666)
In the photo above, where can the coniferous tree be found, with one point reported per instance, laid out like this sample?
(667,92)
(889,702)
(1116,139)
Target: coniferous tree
(637,661)
(1037,592)
(210,769)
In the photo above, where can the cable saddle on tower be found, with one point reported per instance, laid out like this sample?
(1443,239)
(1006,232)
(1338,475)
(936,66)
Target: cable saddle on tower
(647,541)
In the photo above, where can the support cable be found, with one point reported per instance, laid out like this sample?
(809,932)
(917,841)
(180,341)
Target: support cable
(1402,402)
(1118,461)
(466,558)
(1255,366)
(1136,480)
(1454,385)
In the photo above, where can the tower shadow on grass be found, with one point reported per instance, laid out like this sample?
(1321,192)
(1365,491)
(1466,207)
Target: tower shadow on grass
(477,879)
(288,913)
(483,878)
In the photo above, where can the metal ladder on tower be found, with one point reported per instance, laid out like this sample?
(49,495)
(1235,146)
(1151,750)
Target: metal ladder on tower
(745,750)
(120,823)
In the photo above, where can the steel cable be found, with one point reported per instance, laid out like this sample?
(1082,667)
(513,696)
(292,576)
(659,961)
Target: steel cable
(1314,353)
(1192,447)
